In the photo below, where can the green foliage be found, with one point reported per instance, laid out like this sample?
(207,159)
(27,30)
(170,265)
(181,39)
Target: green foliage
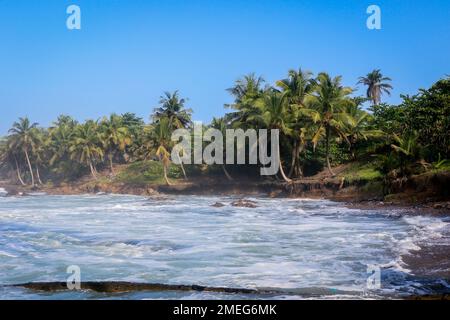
(320,122)
(428,113)
(147,172)
(441,165)
(362,172)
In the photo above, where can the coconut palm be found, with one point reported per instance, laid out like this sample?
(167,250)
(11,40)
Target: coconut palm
(221,125)
(135,126)
(298,86)
(246,92)
(85,146)
(145,149)
(408,146)
(173,111)
(172,107)
(376,85)
(328,104)
(357,128)
(162,134)
(273,114)
(408,149)
(115,137)
(9,157)
(22,135)
(40,151)
(61,135)
(248,87)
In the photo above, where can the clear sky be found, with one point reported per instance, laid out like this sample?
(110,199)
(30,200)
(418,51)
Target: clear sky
(129,51)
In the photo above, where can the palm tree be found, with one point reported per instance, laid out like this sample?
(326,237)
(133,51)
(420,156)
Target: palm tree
(40,150)
(298,86)
(221,125)
(85,146)
(23,137)
(273,114)
(246,91)
(329,102)
(162,135)
(376,84)
(115,137)
(248,87)
(357,127)
(61,135)
(172,107)
(8,157)
(146,147)
(135,126)
(408,149)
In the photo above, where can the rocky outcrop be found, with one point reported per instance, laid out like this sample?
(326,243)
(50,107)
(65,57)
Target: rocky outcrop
(218,205)
(243,203)
(121,286)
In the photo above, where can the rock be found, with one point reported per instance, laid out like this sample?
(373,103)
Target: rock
(218,205)
(152,192)
(438,206)
(244,203)
(275,194)
(156,198)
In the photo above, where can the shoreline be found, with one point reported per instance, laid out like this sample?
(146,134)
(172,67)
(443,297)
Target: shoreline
(353,197)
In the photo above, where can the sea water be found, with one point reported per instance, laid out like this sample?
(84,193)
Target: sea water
(298,248)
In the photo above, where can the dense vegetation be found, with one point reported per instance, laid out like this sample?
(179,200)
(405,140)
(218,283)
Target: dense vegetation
(322,124)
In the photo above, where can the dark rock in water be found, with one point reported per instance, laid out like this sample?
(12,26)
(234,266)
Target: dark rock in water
(120,286)
(275,194)
(155,199)
(244,203)
(218,205)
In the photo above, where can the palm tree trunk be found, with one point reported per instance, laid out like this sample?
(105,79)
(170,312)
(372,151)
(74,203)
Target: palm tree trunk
(184,172)
(91,166)
(29,167)
(327,150)
(226,173)
(294,160)
(352,152)
(165,175)
(281,167)
(110,156)
(38,175)
(18,172)
(298,167)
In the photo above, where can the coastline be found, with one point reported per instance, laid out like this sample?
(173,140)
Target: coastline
(356,196)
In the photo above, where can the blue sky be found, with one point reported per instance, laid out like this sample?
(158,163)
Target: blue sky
(129,51)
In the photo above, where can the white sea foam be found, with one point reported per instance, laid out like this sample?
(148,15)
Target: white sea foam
(283,243)
(3,192)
